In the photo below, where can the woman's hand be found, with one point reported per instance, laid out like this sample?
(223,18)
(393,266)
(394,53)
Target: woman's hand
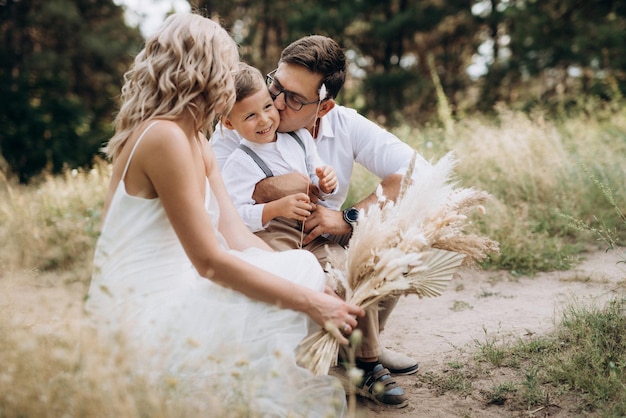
(337,316)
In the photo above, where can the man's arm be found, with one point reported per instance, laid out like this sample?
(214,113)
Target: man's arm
(391,190)
(277,187)
(327,221)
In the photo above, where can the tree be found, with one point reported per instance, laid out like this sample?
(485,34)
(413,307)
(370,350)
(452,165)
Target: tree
(560,50)
(259,27)
(61,67)
(387,42)
(390,43)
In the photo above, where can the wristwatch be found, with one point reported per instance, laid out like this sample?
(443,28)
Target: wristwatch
(351,215)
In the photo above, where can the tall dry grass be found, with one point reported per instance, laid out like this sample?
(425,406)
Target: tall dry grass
(531,166)
(53,223)
(61,372)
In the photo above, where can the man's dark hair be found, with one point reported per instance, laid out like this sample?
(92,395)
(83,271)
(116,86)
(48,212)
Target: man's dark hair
(320,55)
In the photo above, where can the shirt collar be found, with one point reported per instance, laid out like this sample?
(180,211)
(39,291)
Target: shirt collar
(326,128)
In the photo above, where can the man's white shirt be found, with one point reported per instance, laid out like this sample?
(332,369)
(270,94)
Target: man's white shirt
(345,137)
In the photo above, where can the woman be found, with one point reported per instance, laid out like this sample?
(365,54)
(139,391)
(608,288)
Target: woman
(169,226)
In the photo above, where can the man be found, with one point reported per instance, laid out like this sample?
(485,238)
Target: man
(342,137)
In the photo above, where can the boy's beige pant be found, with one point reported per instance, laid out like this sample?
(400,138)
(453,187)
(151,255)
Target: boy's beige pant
(285,234)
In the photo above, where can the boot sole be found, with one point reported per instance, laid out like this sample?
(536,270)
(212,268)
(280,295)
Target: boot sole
(365,394)
(404,372)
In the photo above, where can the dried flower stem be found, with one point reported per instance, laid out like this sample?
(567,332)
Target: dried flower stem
(411,246)
(302,230)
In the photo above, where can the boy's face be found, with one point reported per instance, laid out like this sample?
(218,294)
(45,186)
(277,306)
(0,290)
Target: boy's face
(255,117)
(303,83)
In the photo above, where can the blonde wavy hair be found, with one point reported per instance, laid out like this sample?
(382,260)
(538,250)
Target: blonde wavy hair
(186,66)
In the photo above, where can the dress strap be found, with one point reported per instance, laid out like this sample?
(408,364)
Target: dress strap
(132,152)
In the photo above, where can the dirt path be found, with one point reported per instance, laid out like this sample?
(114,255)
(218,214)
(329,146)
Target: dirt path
(437,331)
(485,305)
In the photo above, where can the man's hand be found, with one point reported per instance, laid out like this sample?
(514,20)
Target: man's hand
(274,188)
(325,221)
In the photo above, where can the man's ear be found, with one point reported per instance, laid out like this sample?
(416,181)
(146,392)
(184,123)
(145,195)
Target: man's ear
(227,123)
(325,107)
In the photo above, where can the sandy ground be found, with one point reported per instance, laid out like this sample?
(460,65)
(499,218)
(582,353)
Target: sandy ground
(477,305)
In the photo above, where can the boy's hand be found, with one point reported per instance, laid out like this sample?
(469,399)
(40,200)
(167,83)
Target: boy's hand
(328,178)
(295,206)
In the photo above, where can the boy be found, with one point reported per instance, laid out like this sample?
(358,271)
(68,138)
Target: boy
(263,153)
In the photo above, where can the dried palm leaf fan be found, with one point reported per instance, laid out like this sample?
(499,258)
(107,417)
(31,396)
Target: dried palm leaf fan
(412,246)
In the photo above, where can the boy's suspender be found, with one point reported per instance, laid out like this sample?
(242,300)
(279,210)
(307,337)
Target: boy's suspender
(257,160)
(299,141)
(261,163)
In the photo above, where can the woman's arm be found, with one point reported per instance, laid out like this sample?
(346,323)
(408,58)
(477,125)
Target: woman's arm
(166,156)
(231,226)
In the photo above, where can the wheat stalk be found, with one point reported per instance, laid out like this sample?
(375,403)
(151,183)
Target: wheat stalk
(411,246)
(303,221)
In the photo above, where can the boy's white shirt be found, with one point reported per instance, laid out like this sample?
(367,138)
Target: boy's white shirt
(241,173)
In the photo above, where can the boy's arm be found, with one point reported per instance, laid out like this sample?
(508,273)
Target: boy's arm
(240,175)
(277,187)
(224,142)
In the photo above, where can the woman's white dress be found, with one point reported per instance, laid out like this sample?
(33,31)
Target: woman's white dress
(216,342)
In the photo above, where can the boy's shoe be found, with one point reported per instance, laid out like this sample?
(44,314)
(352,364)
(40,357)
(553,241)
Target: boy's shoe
(379,386)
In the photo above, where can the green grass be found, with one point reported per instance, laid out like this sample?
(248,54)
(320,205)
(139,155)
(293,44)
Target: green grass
(54,223)
(579,369)
(581,365)
(544,177)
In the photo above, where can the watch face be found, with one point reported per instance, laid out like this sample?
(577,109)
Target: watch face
(351,215)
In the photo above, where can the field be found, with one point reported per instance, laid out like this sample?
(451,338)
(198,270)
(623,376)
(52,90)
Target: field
(558,198)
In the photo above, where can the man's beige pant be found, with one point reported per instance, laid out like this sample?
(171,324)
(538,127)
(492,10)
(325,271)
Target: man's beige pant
(285,234)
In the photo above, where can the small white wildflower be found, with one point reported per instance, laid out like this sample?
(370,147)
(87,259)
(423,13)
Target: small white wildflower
(355,375)
(356,337)
(322,92)
(379,194)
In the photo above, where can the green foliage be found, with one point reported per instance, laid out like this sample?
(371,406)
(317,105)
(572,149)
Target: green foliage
(594,348)
(61,61)
(607,231)
(531,168)
(553,55)
(545,41)
(61,65)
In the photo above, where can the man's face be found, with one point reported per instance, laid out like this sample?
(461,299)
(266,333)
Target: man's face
(303,85)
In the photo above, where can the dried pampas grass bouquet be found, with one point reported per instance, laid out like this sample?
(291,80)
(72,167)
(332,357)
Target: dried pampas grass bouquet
(411,246)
